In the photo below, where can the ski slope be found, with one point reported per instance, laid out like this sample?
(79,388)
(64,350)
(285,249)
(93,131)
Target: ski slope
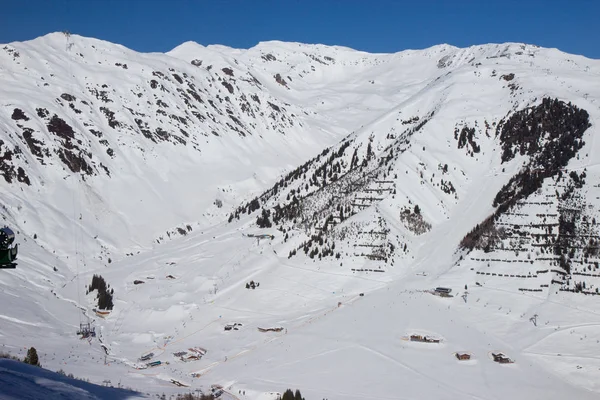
(342,318)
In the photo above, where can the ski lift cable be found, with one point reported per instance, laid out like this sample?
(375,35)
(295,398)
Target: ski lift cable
(76,232)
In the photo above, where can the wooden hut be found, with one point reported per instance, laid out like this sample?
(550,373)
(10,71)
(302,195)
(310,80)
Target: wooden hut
(501,358)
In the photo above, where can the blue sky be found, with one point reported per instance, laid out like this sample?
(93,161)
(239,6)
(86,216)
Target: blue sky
(371,25)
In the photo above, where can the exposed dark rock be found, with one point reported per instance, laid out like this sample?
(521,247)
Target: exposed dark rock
(110,116)
(6,167)
(101,94)
(274,106)
(35,146)
(67,97)
(60,128)
(42,112)
(467,138)
(178,78)
(268,57)
(18,114)
(279,79)
(228,86)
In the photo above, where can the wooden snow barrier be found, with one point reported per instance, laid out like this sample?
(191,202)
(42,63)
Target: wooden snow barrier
(270,329)
(177,383)
(366,269)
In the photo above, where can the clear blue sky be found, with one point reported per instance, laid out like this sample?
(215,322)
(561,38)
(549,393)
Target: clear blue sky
(371,25)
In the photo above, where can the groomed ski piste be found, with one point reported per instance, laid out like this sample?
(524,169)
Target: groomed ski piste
(334,328)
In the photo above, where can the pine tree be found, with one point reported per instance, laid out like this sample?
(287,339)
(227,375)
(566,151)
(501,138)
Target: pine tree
(288,395)
(369,151)
(32,357)
(298,395)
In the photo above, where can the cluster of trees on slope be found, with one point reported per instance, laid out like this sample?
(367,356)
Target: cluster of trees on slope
(328,167)
(290,395)
(322,193)
(104,296)
(551,134)
(331,169)
(31,358)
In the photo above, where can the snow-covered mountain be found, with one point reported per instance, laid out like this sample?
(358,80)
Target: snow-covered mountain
(379,176)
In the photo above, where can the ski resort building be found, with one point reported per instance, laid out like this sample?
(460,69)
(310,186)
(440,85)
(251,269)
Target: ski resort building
(501,358)
(424,339)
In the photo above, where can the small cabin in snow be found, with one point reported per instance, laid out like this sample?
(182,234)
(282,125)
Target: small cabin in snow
(501,358)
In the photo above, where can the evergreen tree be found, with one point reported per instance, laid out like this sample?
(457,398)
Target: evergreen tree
(105,293)
(369,151)
(263,220)
(298,395)
(32,357)
(288,395)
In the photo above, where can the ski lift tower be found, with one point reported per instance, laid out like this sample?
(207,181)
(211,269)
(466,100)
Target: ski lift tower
(258,237)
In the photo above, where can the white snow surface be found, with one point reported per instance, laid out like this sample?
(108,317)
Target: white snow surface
(335,342)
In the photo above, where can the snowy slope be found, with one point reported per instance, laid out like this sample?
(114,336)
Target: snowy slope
(375,176)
